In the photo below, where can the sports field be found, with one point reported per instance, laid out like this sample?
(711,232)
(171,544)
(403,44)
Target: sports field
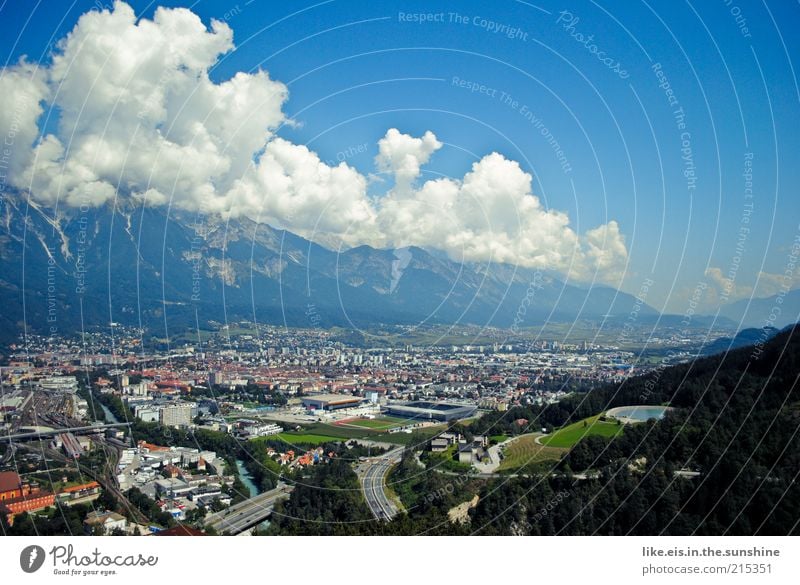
(378,424)
(569,436)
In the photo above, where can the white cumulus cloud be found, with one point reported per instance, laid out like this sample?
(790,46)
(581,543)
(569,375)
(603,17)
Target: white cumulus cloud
(492,214)
(139,117)
(403,156)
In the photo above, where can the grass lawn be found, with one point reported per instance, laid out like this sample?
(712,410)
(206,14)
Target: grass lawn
(56,486)
(340,432)
(293,438)
(498,438)
(526,451)
(318,432)
(569,435)
(390,493)
(379,424)
(420,435)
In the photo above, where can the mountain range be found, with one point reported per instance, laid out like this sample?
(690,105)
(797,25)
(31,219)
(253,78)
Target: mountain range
(165,271)
(743,338)
(778,310)
(70,270)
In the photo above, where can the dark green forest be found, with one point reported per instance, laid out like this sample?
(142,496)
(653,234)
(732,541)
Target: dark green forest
(736,423)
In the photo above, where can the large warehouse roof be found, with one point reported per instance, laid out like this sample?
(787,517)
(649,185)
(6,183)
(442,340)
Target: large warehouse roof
(433,410)
(331,398)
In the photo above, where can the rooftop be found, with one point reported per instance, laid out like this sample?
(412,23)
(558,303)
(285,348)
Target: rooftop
(333,398)
(102,517)
(9,480)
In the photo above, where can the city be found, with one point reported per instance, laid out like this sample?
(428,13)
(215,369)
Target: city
(290,392)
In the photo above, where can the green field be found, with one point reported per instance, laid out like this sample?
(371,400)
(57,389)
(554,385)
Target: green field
(379,424)
(293,438)
(526,451)
(341,432)
(567,437)
(419,435)
(375,430)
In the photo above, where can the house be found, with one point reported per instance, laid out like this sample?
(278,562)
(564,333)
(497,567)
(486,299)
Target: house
(172,487)
(104,522)
(481,440)
(467,453)
(79,493)
(439,445)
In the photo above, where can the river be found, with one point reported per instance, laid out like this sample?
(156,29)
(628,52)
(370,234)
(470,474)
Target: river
(247,479)
(110,418)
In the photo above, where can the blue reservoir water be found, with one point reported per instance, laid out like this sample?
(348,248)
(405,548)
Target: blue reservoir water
(639,413)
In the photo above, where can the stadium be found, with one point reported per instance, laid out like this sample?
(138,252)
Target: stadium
(444,411)
(330,401)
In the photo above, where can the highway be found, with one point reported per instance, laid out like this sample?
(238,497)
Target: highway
(247,514)
(373,480)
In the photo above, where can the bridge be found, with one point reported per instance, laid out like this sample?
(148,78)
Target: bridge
(247,514)
(53,432)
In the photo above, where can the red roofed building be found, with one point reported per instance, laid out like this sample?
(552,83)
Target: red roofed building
(17,497)
(151,447)
(79,488)
(79,493)
(10,485)
(170,386)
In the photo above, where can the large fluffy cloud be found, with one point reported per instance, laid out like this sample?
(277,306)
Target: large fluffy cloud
(23,89)
(725,288)
(403,156)
(138,116)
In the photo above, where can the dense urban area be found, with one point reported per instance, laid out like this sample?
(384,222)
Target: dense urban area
(238,433)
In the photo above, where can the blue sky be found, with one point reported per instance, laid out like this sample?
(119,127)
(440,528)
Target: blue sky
(355,69)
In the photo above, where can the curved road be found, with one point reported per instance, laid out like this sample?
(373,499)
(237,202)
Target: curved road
(373,481)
